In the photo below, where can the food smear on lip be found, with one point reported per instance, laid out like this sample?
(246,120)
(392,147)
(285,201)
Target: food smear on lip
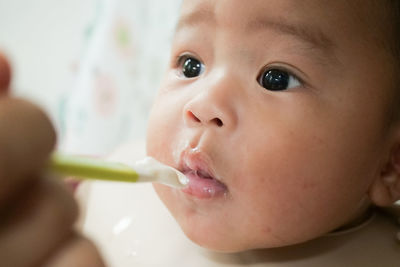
(202,186)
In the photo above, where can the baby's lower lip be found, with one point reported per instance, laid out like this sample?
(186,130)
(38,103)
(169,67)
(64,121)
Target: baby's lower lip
(203,188)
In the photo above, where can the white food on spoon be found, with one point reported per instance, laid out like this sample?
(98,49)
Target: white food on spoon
(151,170)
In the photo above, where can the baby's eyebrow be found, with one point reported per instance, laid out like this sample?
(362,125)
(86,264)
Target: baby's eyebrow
(309,35)
(312,36)
(202,15)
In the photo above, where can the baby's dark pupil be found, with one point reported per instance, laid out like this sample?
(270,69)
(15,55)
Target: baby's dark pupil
(275,80)
(191,68)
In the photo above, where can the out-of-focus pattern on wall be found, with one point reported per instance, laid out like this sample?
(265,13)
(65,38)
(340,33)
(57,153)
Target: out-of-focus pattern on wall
(126,52)
(93,65)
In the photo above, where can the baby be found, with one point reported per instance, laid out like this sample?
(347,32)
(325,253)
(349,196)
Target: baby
(284,116)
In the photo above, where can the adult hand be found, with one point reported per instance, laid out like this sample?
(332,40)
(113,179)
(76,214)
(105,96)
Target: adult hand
(37,212)
(5,74)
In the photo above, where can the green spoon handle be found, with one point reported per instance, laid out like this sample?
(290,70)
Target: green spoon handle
(91,168)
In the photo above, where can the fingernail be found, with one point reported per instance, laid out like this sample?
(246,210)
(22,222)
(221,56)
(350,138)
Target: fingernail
(390,179)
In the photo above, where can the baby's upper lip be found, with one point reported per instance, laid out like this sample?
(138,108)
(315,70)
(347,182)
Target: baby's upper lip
(194,160)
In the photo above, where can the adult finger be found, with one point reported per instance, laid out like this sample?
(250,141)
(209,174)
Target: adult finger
(5,74)
(26,139)
(77,252)
(37,224)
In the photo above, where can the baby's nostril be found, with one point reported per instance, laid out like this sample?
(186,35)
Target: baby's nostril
(218,122)
(192,116)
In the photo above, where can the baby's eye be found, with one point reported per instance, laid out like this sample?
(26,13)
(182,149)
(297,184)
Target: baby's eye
(190,66)
(277,80)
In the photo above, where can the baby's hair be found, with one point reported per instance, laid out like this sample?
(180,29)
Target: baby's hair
(395,9)
(393,13)
(396,21)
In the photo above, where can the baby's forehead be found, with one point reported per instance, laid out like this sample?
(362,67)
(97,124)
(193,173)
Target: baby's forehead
(362,13)
(316,21)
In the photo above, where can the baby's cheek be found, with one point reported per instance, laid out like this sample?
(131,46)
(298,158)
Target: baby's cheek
(277,198)
(157,136)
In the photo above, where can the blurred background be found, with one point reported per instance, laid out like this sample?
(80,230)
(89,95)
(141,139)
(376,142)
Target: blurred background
(93,65)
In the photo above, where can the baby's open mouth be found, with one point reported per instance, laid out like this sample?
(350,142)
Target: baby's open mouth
(202,183)
(203,174)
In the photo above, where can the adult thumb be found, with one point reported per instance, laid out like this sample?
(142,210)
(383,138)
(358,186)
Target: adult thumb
(5,74)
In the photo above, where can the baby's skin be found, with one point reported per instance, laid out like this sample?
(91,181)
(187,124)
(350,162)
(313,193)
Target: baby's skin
(280,113)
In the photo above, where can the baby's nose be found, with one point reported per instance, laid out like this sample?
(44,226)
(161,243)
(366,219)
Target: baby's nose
(207,109)
(214,101)
(191,118)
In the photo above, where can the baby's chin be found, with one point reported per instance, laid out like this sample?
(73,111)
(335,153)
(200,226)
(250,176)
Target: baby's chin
(223,244)
(210,233)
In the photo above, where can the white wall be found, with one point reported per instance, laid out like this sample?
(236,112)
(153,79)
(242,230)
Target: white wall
(43,40)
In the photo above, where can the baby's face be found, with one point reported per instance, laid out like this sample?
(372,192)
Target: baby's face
(277,112)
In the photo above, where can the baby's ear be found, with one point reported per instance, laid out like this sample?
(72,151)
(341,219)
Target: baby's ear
(385,190)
